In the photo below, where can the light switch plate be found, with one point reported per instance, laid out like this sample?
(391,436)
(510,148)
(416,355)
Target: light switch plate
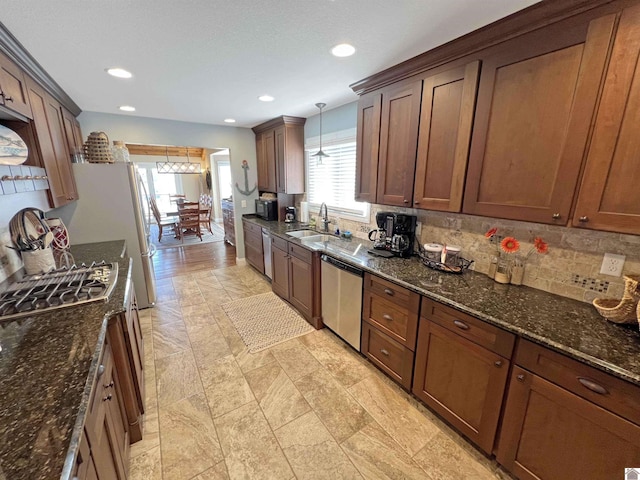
(243,204)
(612,264)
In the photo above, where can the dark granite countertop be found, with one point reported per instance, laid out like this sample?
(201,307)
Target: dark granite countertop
(562,324)
(48,364)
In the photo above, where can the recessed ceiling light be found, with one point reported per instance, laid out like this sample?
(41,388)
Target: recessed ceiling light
(266,98)
(119,72)
(343,50)
(127,108)
(229,120)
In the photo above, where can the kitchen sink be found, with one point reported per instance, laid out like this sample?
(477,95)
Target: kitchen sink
(303,233)
(316,238)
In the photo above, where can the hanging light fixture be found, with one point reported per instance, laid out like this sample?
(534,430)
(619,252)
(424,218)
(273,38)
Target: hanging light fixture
(320,154)
(178,167)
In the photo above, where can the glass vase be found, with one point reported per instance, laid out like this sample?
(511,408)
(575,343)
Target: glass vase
(503,270)
(517,271)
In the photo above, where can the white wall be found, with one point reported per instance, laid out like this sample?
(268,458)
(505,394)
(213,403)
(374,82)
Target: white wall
(239,141)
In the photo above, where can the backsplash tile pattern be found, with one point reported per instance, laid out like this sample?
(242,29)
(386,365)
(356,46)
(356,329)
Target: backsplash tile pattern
(572,251)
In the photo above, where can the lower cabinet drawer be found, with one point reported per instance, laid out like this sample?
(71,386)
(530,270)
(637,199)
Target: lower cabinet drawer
(396,321)
(390,356)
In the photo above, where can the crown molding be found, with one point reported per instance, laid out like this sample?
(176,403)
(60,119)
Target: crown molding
(12,48)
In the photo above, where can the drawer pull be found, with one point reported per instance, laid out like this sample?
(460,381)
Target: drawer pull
(108,385)
(520,378)
(384,352)
(389,292)
(107,398)
(461,324)
(498,363)
(593,386)
(387,317)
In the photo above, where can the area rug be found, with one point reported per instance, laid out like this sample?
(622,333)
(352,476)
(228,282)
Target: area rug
(265,320)
(169,241)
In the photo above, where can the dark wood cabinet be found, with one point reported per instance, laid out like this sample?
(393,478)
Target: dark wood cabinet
(398,143)
(253,250)
(536,99)
(296,278)
(390,356)
(228,221)
(52,145)
(72,131)
(367,147)
(461,379)
(13,88)
(559,409)
(280,155)
(446,118)
(609,197)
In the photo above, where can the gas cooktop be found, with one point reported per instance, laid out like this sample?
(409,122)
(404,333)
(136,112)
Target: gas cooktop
(64,287)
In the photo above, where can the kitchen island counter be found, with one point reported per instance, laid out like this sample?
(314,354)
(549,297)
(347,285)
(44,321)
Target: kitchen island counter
(568,326)
(48,364)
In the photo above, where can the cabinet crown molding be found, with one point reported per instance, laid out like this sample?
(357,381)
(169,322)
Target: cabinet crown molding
(278,121)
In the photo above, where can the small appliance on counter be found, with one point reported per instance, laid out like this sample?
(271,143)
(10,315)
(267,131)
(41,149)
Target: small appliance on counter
(267,209)
(289,214)
(395,234)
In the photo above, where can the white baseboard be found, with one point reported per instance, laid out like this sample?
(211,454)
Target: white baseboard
(241,261)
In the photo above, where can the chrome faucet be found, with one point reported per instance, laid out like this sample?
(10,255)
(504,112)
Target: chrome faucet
(325,217)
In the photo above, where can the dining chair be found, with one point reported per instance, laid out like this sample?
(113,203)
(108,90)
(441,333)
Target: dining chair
(206,204)
(189,220)
(177,198)
(166,222)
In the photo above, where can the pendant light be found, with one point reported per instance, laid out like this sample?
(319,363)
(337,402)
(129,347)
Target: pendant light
(178,167)
(320,154)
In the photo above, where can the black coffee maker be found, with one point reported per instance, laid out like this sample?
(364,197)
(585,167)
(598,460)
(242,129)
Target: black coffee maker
(399,233)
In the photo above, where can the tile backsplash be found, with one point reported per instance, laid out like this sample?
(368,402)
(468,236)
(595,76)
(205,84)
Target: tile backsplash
(571,268)
(10,260)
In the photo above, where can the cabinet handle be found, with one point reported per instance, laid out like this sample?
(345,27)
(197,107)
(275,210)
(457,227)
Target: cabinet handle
(387,317)
(416,203)
(584,219)
(7,99)
(555,216)
(108,385)
(107,398)
(100,370)
(461,325)
(384,352)
(498,363)
(405,201)
(389,292)
(593,386)
(520,378)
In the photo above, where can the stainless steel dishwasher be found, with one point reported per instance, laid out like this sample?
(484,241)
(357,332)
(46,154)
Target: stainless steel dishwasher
(266,248)
(342,299)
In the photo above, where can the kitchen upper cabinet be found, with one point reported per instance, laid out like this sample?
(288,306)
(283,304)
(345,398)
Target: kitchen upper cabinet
(536,99)
(280,155)
(72,131)
(559,409)
(13,89)
(609,197)
(52,145)
(367,145)
(399,122)
(461,370)
(446,118)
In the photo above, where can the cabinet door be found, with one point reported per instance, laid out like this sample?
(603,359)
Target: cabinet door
(535,104)
(269,139)
(13,88)
(446,117)
(549,433)
(398,143)
(133,340)
(367,145)
(281,168)
(460,380)
(301,285)
(72,132)
(280,272)
(609,197)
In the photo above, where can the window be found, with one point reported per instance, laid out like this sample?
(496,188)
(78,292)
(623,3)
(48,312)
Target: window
(333,180)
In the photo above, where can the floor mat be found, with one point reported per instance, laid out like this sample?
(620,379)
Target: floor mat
(169,241)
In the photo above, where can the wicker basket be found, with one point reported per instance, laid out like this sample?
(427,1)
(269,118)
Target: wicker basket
(97,148)
(625,310)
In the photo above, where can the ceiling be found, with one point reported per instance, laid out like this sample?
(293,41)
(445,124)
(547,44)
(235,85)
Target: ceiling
(207,60)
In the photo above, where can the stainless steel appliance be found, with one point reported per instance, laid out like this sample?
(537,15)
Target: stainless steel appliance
(342,299)
(379,238)
(266,248)
(64,287)
(267,209)
(399,233)
(290,214)
(114,205)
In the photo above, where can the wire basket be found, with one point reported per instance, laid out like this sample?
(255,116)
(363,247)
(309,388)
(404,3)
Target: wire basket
(455,265)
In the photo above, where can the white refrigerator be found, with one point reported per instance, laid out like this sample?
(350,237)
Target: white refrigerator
(111,206)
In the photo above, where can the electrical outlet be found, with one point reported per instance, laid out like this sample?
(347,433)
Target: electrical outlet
(243,204)
(612,264)
(418,229)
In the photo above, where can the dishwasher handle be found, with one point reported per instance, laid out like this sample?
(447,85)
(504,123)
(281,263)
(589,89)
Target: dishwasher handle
(342,266)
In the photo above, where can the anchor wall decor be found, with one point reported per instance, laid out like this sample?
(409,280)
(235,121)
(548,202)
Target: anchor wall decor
(246,191)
